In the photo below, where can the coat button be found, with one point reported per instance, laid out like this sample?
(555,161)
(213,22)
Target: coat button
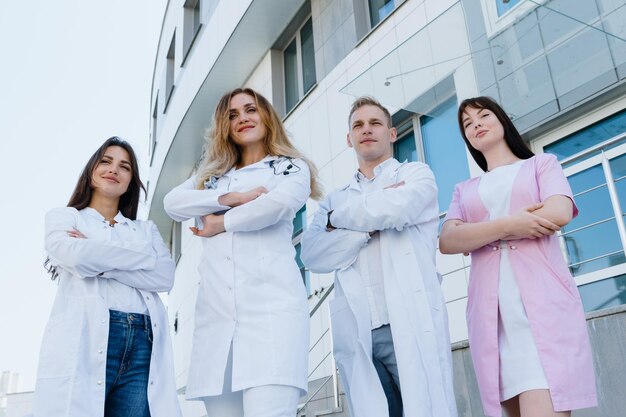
(102,321)
(495,248)
(100,351)
(99,382)
(151,382)
(147,297)
(513,247)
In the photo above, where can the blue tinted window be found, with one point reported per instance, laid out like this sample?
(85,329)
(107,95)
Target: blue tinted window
(303,272)
(379,9)
(504,6)
(308,56)
(603,294)
(290,61)
(298,221)
(586,138)
(444,150)
(405,149)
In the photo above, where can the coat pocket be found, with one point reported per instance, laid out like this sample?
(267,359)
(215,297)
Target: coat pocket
(59,348)
(344,328)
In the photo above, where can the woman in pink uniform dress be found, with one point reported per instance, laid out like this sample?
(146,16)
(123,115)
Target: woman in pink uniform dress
(527,330)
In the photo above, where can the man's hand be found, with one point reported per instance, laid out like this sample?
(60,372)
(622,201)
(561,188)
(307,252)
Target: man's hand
(396,185)
(235,199)
(213,224)
(76,233)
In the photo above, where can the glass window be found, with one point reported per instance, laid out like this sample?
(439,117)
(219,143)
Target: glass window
(155,125)
(588,137)
(298,227)
(298,221)
(444,150)
(308,56)
(299,65)
(303,272)
(603,294)
(290,61)
(504,6)
(191,25)
(169,71)
(405,148)
(379,9)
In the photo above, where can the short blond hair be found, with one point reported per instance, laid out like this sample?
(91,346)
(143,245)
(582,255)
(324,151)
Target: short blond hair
(368,101)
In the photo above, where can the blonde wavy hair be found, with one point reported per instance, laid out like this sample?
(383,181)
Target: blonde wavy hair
(221,153)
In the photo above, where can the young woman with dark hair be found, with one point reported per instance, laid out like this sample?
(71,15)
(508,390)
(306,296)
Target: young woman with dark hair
(106,350)
(250,345)
(527,330)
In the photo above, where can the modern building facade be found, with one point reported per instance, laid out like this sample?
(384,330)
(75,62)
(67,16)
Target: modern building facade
(557,66)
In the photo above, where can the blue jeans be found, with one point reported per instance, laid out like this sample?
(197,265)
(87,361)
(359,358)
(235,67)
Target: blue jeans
(128,365)
(384,359)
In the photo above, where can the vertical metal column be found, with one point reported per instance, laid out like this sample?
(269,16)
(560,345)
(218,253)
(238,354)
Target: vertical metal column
(333,364)
(617,209)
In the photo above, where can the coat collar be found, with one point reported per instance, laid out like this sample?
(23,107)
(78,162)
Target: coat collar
(119,217)
(389,167)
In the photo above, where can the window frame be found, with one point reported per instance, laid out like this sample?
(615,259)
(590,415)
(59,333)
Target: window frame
(155,127)
(577,124)
(495,24)
(192,9)
(297,38)
(170,69)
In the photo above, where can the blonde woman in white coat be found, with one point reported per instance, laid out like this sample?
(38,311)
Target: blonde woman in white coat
(106,350)
(250,347)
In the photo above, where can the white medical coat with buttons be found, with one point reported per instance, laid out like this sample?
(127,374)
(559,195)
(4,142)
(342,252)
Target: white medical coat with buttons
(407,218)
(72,363)
(251,294)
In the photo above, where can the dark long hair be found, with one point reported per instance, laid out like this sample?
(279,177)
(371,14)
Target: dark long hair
(513,139)
(129,201)
(81,197)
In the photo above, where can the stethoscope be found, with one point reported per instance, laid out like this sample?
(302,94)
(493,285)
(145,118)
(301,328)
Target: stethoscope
(283,165)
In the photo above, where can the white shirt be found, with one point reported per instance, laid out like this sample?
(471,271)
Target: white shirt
(369,264)
(121,297)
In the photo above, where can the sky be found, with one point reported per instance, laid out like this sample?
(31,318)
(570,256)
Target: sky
(72,74)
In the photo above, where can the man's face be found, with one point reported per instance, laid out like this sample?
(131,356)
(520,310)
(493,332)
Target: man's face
(370,135)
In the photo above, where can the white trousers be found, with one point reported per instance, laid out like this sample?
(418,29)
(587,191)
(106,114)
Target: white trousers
(263,401)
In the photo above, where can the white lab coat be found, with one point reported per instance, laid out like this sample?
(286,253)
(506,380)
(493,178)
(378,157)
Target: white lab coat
(407,219)
(251,294)
(72,363)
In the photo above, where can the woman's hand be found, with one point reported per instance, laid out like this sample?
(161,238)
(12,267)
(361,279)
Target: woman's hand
(76,233)
(235,199)
(213,224)
(523,224)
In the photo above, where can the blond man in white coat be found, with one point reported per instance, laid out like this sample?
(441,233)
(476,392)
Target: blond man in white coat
(378,234)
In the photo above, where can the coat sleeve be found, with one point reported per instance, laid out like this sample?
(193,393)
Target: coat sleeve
(88,257)
(186,201)
(326,251)
(411,204)
(282,202)
(551,180)
(159,279)
(455,211)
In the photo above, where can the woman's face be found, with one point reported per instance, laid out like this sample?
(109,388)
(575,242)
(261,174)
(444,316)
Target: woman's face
(246,126)
(482,128)
(113,173)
